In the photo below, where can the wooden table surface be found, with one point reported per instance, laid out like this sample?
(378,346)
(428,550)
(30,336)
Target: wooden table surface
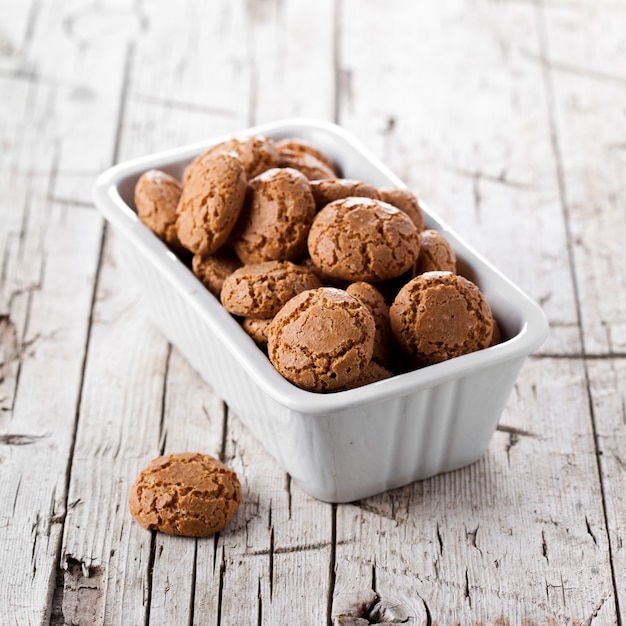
(508,117)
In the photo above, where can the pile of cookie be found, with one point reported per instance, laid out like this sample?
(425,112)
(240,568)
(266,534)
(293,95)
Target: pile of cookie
(340,282)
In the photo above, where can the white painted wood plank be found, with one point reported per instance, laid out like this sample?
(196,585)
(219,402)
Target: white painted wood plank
(454,103)
(80,50)
(118,432)
(274,522)
(15,32)
(608,394)
(193,421)
(36,430)
(292,50)
(476,138)
(585,60)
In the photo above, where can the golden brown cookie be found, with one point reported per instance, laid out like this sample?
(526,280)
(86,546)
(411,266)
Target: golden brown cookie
(309,165)
(322,339)
(212,269)
(257,329)
(331,189)
(260,290)
(210,203)
(257,154)
(440,315)
(275,221)
(188,494)
(406,201)
(373,299)
(156,199)
(435,255)
(372,373)
(294,145)
(362,239)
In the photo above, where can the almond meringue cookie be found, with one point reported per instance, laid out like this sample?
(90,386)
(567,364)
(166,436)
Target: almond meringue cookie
(363,239)
(275,221)
(439,315)
(156,198)
(322,339)
(210,203)
(188,494)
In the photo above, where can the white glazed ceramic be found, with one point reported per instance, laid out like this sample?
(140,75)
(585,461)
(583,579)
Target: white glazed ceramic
(340,446)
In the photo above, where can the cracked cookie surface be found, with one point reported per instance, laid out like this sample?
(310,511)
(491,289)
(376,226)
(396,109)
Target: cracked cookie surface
(210,203)
(156,198)
(363,239)
(440,315)
(293,145)
(372,298)
(188,494)
(276,218)
(322,339)
(406,201)
(436,254)
(331,189)
(260,290)
(257,154)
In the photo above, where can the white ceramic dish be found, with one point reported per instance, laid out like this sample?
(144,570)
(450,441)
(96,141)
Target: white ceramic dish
(352,444)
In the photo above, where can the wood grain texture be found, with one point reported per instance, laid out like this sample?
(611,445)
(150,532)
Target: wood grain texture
(505,117)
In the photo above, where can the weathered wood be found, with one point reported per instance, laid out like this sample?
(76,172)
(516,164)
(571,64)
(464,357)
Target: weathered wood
(512,537)
(489,179)
(49,256)
(119,431)
(506,117)
(457,108)
(44,360)
(585,61)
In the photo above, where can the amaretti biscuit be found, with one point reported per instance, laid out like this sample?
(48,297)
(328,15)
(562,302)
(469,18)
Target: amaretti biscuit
(275,221)
(371,374)
(362,239)
(188,494)
(374,300)
(436,254)
(331,189)
(439,315)
(309,165)
(156,198)
(257,154)
(406,201)
(322,339)
(258,329)
(212,269)
(210,203)
(293,145)
(260,290)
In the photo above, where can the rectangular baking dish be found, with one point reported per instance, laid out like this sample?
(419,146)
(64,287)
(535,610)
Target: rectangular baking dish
(340,446)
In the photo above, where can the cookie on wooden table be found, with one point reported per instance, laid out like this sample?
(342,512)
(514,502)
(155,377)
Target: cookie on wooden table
(188,494)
